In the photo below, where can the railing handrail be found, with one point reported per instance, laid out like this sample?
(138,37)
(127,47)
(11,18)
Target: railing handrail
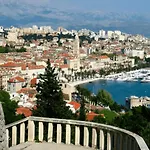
(17,122)
(139,139)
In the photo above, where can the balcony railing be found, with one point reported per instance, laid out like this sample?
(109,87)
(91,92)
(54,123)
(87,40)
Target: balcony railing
(87,134)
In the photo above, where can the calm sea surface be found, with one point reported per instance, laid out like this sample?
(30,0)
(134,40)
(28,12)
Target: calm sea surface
(120,90)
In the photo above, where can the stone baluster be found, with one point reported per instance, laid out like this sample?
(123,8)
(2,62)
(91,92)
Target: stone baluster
(136,147)
(7,137)
(59,133)
(120,142)
(77,135)
(108,140)
(68,133)
(129,143)
(115,141)
(31,131)
(41,130)
(50,132)
(94,138)
(86,137)
(101,146)
(22,133)
(14,135)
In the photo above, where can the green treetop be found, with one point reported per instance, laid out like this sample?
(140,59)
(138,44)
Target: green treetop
(50,101)
(103,97)
(9,108)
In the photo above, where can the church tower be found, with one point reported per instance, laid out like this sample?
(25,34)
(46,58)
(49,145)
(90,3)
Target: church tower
(76,46)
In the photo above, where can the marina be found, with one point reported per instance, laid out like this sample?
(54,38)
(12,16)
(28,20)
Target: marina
(121,86)
(142,75)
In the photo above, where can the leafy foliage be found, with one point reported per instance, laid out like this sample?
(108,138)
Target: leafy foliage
(9,108)
(137,121)
(8,49)
(83,93)
(103,97)
(99,119)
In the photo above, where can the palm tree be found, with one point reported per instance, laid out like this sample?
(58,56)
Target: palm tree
(62,72)
(81,68)
(59,70)
(68,71)
(93,73)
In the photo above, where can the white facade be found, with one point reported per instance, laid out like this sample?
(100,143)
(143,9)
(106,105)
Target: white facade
(110,34)
(102,33)
(12,37)
(117,32)
(134,53)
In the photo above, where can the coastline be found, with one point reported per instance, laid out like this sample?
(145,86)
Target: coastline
(73,84)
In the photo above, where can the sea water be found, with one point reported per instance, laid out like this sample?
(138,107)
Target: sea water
(120,90)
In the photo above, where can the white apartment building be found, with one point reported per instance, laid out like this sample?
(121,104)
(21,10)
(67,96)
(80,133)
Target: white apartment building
(117,32)
(12,37)
(135,101)
(102,33)
(110,34)
(74,63)
(134,53)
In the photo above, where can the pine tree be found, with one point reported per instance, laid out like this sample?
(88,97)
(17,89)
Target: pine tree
(82,94)
(50,101)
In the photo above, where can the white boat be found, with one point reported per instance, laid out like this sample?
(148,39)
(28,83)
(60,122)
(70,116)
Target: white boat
(131,79)
(146,79)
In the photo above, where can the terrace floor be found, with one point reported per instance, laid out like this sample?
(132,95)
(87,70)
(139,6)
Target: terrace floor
(47,146)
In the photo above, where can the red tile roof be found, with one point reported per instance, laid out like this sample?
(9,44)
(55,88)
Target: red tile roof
(33,82)
(64,66)
(75,105)
(103,57)
(16,79)
(90,116)
(26,111)
(9,64)
(27,91)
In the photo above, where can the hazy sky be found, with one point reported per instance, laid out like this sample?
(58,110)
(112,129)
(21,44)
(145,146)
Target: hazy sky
(141,6)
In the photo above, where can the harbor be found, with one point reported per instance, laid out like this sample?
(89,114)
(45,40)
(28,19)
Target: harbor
(142,75)
(120,89)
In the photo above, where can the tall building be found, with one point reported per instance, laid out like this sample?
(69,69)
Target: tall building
(76,46)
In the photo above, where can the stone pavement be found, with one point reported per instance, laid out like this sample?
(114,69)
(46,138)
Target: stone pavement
(47,146)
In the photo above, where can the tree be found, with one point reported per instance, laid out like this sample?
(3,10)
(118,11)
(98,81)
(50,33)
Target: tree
(82,93)
(136,120)
(50,101)
(99,119)
(9,108)
(22,49)
(104,98)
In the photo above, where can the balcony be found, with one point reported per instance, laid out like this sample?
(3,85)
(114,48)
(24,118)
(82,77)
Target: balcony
(38,133)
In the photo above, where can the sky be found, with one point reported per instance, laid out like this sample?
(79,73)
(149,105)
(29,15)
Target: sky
(137,6)
(131,6)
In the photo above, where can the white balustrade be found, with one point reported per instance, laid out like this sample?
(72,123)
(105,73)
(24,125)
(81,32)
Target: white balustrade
(77,135)
(86,137)
(59,133)
(112,137)
(31,131)
(50,132)
(94,138)
(68,134)
(101,140)
(108,140)
(41,130)
(22,133)
(7,137)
